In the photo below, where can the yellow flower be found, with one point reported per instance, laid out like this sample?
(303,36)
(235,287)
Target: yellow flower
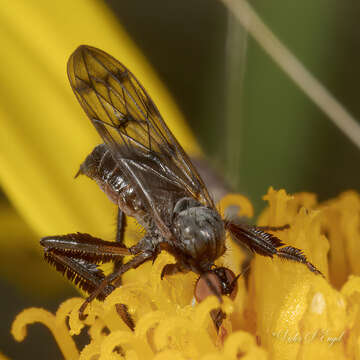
(286,312)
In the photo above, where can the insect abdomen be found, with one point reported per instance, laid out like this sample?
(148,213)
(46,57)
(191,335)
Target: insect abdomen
(101,167)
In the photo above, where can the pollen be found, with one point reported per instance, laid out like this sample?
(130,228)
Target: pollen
(318,303)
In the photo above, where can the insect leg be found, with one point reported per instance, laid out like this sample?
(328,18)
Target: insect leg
(121,226)
(115,277)
(120,232)
(86,247)
(170,269)
(76,256)
(274,228)
(266,244)
(85,275)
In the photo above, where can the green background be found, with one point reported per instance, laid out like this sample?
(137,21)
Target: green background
(253,123)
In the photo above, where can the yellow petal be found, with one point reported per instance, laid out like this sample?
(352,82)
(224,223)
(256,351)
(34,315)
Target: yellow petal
(59,330)
(341,222)
(45,135)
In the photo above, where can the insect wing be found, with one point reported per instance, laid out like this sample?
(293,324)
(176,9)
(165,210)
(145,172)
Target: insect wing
(132,127)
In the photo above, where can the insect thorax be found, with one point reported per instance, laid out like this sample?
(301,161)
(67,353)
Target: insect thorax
(200,234)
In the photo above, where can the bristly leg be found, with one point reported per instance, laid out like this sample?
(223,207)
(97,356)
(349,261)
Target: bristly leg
(76,256)
(122,309)
(266,244)
(84,246)
(85,275)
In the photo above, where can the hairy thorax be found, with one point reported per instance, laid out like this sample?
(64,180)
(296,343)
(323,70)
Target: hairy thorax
(200,234)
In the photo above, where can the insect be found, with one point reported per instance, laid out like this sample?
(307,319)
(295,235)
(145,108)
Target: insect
(143,169)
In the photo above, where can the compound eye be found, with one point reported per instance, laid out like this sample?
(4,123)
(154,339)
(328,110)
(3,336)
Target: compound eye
(220,281)
(205,286)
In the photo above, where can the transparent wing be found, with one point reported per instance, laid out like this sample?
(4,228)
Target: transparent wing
(133,129)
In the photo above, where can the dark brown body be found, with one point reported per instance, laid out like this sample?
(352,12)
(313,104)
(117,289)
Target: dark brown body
(101,167)
(198,231)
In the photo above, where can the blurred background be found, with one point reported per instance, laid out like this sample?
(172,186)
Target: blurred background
(277,136)
(254,125)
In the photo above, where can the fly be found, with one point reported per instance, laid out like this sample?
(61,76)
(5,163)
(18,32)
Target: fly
(143,169)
